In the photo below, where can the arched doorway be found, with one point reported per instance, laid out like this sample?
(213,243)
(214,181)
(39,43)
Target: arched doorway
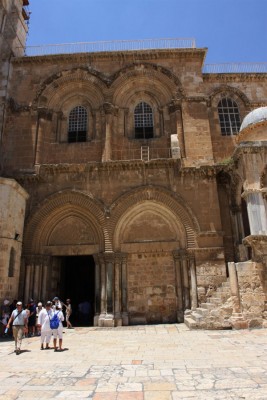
(153,228)
(60,239)
(78,284)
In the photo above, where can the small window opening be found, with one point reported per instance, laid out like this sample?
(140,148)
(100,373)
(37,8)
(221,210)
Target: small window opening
(143,121)
(229,117)
(77,131)
(11,267)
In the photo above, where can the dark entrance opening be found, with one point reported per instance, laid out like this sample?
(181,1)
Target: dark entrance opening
(78,284)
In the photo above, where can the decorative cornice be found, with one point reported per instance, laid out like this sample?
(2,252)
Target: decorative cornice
(245,77)
(197,99)
(250,128)
(249,148)
(129,55)
(205,250)
(45,170)
(206,171)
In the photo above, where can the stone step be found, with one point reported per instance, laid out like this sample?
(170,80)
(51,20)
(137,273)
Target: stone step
(207,306)
(214,300)
(190,322)
(202,311)
(196,316)
(223,289)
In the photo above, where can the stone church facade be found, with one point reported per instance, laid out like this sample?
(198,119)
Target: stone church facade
(134,180)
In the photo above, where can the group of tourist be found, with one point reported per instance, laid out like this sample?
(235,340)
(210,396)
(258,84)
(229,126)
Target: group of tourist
(44,321)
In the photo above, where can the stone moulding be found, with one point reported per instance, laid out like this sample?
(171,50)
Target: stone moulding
(110,55)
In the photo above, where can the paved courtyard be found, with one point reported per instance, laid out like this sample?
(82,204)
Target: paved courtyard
(162,362)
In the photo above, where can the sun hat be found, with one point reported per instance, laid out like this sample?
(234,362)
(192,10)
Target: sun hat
(6,302)
(40,304)
(19,303)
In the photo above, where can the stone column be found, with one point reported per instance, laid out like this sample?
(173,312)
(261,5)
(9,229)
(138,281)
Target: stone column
(256,212)
(103,303)
(113,310)
(234,286)
(193,283)
(179,285)
(27,281)
(110,112)
(124,290)
(35,278)
(43,116)
(118,291)
(97,289)
(186,285)
(175,112)
(110,289)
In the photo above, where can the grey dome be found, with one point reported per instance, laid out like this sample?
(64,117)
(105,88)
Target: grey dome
(255,116)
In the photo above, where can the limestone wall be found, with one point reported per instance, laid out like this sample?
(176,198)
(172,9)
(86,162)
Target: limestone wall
(252,283)
(12,211)
(151,288)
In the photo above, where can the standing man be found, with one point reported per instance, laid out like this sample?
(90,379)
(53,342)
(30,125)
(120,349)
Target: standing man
(32,317)
(68,313)
(20,325)
(44,323)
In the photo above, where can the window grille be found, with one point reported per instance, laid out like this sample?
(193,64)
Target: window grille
(143,121)
(229,117)
(77,131)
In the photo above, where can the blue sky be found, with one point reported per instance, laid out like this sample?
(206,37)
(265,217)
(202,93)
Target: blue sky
(233,30)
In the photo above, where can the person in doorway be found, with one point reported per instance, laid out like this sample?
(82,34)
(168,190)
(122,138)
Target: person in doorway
(84,309)
(68,313)
(32,317)
(43,324)
(19,319)
(5,314)
(56,302)
(39,308)
(58,333)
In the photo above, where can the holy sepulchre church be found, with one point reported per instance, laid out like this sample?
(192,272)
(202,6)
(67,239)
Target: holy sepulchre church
(134,176)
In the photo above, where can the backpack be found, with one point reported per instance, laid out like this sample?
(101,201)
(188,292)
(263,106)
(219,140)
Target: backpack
(54,321)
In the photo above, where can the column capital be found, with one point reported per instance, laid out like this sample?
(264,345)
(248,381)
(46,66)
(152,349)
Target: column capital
(36,259)
(181,254)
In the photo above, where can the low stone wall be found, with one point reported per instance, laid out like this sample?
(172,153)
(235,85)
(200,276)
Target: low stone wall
(252,282)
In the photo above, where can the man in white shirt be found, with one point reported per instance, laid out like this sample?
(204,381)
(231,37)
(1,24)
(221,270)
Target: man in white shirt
(44,322)
(19,320)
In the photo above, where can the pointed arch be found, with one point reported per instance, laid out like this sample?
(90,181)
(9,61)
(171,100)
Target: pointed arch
(166,205)
(65,209)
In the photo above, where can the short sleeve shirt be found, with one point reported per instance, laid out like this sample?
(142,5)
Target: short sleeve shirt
(18,320)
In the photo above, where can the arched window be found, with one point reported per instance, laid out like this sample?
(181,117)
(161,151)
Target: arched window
(143,121)
(77,131)
(229,117)
(11,267)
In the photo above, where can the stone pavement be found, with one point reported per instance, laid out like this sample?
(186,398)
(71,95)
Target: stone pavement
(156,362)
